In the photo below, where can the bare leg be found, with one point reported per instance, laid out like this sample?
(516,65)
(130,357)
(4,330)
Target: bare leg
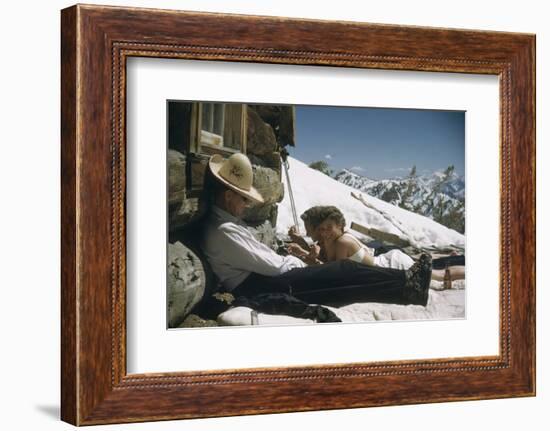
(457,273)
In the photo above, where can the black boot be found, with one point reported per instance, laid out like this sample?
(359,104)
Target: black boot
(417,286)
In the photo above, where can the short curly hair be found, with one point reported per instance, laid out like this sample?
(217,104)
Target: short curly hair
(334,214)
(314,216)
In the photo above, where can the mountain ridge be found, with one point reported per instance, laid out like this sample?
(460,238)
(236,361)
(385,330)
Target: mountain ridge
(439,196)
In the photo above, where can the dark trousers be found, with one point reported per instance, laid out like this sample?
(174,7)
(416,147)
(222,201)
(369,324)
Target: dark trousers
(339,283)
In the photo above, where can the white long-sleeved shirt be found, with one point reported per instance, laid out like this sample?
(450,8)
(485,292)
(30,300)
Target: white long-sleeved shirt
(234,253)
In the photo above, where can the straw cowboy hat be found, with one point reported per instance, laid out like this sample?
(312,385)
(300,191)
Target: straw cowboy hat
(236,173)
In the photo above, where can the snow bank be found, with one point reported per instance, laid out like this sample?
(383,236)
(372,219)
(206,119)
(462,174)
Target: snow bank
(442,304)
(311,187)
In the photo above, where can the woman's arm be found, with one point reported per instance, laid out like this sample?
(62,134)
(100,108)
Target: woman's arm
(313,257)
(296,250)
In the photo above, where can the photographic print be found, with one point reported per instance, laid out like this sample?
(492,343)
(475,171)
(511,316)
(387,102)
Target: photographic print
(326,239)
(298,214)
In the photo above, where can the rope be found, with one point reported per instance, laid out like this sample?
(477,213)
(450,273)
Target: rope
(284,159)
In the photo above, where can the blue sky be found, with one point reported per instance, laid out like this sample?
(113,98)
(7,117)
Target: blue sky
(380,143)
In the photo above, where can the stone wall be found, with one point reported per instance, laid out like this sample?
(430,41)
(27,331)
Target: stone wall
(266,126)
(189,276)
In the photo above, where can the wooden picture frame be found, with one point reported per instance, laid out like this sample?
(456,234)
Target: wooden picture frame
(95,43)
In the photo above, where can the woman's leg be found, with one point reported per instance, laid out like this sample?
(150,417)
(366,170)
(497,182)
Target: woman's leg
(457,273)
(398,260)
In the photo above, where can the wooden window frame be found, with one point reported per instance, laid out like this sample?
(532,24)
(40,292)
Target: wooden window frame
(199,147)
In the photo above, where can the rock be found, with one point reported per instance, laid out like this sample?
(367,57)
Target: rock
(266,234)
(268,183)
(269,160)
(176,177)
(194,321)
(281,118)
(186,282)
(226,297)
(187,211)
(198,169)
(260,138)
(181,208)
(258,215)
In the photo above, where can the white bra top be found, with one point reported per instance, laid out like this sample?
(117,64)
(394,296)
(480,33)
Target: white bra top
(359,255)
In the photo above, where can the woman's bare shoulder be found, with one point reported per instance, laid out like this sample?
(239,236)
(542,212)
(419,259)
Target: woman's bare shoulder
(346,242)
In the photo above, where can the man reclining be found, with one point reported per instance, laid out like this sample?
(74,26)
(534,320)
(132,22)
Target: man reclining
(246,267)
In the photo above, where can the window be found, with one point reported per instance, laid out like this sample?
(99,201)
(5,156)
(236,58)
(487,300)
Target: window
(222,128)
(198,130)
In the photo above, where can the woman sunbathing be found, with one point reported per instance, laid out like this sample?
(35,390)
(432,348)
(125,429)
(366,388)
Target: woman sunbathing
(325,224)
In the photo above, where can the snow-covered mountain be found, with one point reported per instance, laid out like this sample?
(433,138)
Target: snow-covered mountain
(354,180)
(311,187)
(439,196)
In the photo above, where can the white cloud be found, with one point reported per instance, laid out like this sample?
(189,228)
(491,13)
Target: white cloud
(328,156)
(357,168)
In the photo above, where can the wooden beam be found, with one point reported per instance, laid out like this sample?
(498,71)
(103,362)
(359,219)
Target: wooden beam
(380,236)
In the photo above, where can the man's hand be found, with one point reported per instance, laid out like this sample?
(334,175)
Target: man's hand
(295,250)
(293,233)
(297,238)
